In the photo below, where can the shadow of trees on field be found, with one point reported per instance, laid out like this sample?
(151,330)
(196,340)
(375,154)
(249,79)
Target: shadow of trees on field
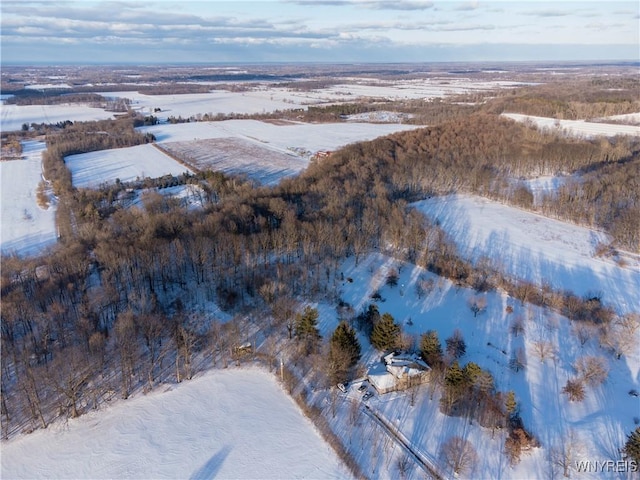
(212,466)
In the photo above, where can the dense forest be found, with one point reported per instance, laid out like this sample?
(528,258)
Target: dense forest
(119,304)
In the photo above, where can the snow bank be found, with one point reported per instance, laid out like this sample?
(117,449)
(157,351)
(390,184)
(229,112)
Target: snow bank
(224,424)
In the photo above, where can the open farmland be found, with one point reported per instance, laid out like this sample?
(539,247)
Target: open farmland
(90,170)
(237,156)
(263,151)
(578,128)
(226,432)
(536,248)
(14,116)
(257,98)
(213,103)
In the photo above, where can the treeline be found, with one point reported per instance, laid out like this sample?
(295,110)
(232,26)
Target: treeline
(485,154)
(83,137)
(54,97)
(606,196)
(572,100)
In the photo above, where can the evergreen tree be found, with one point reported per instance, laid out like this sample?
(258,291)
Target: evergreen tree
(454,386)
(510,403)
(430,348)
(368,318)
(631,449)
(472,372)
(344,352)
(306,328)
(454,377)
(385,333)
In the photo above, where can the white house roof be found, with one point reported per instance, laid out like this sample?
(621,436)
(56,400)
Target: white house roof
(380,378)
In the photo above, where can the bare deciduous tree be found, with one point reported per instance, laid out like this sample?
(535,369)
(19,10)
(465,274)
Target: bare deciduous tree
(477,305)
(592,370)
(543,349)
(403,463)
(68,376)
(583,331)
(565,454)
(518,361)
(574,390)
(459,455)
(517,326)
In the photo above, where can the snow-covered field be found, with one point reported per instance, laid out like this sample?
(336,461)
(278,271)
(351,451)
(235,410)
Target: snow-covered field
(311,136)
(14,116)
(264,151)
(413,89)
(235,423)
(600,423)
(535,248)
(579,128)
(90,170)
(25,228)
(262,98)
(215,102)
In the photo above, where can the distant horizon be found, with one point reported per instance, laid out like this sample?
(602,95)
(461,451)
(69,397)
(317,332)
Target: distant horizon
(317,31)
(578,62)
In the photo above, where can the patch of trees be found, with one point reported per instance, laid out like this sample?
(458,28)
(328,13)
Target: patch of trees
(572,100)
(54,97)
(11,148)
(607,196)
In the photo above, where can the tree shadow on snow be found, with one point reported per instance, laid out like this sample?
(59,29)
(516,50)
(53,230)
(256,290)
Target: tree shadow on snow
(212,466)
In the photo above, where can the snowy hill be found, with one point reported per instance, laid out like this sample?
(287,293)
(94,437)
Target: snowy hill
(536,248)
(225,424)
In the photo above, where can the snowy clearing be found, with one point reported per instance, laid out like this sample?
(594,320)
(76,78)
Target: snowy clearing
(601,422)
(25,228)
(225,424)
(579,128)
(90,170)
(544,185)
(380,116)
(535,248)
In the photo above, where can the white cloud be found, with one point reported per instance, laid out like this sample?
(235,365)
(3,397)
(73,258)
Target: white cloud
(290,26)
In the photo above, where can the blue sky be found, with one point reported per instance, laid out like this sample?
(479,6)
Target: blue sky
(172,31)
